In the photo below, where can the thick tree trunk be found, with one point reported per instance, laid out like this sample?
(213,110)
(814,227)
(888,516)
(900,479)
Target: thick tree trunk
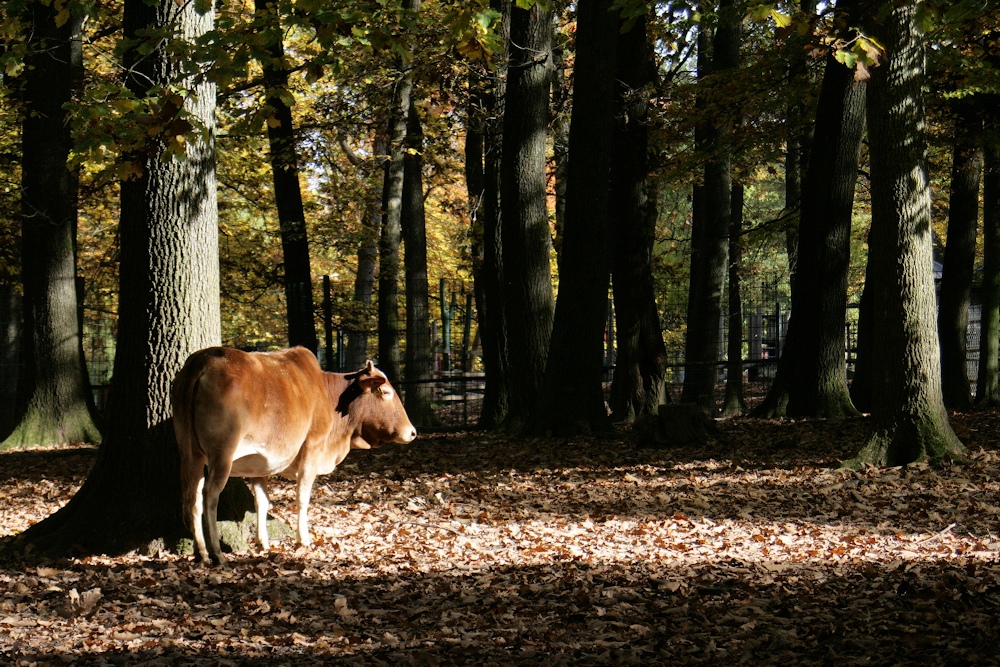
(733,403)
(490,281)
(52,404)
(812,374)
(710,230)
(988,388)
(572,401)
(960,257)
(910,422)
(287,189)
(419,354)
(637,389)
(525,240)
(169,307)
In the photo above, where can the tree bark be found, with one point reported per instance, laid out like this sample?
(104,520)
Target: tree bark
(909,419)
(525,239)
(988,388)
(53,404)
(955,290)
(559,128)
(169,307)
(811,379)
(710,230)
(572,401)
(490,281)
(637,389)
(419,357)
(733,403)
(10,355)
(287,189)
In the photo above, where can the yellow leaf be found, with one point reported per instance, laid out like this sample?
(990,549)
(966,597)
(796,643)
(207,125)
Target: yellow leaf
(273,122)
(781,19)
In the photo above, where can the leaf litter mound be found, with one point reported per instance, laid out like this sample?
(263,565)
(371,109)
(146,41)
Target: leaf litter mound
(477,549)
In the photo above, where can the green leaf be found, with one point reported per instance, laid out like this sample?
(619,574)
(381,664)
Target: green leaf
(846,57)
(760,13)
(925,17)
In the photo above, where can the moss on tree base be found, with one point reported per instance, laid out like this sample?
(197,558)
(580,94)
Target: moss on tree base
(42,428)
(931,441)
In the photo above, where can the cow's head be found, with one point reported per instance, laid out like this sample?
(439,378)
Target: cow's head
(372,404)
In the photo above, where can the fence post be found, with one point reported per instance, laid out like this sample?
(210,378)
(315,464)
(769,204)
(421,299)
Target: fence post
(446,315)
(467,333)
(328,323)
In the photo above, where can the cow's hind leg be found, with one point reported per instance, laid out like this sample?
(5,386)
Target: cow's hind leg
(215,481)
(193,501)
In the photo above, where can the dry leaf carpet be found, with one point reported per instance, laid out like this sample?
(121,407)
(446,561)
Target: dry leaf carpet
(483,550)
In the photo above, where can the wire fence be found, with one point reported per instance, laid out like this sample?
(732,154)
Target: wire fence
(348,336)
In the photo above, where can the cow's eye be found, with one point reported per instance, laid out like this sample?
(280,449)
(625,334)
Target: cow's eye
(386,392)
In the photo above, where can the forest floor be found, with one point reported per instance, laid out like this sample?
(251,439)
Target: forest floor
(473,549)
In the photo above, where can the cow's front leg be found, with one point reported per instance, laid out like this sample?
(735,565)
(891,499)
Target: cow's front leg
(263,505)
(305,483)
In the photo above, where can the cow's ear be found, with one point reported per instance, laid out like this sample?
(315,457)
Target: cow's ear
(372,382)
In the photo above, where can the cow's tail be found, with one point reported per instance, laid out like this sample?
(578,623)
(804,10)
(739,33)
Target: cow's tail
(192,455)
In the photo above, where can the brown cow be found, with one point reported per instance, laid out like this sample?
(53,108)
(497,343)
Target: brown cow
(273,413)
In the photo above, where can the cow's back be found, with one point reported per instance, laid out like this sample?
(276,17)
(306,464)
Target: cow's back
(255,409)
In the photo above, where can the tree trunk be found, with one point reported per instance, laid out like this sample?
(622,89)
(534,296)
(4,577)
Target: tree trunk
(356,324)
(960,257)
(909,420)
(392,211)
(490,280)
(710,230)
(419,354)
(797,139)
(812,374)
(287,191)
(573,398)
(475,184)
(733,403)
(637,389)
(559,127)
(988,388)
(52,404)
(169,307)
(525,240)
(10,355)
